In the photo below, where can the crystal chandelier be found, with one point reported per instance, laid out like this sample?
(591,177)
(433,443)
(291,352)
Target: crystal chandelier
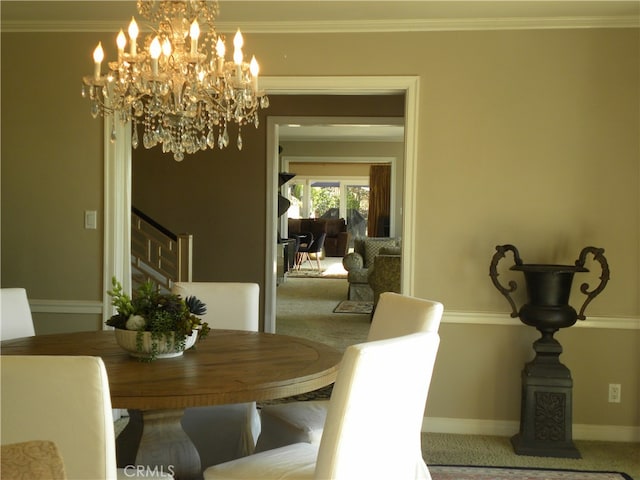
(178,88)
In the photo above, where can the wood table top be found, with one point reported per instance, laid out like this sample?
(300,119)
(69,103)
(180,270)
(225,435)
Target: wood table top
(229,366)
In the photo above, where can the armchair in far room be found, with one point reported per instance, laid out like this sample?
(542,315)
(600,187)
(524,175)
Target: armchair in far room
(385,274)
(360,261)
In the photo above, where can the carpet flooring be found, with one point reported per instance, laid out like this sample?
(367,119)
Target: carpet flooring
(487,450)
(304,308)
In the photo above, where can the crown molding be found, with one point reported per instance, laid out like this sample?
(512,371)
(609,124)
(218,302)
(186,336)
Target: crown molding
(355,26)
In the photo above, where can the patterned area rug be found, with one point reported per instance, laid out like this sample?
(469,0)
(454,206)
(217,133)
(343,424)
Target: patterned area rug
(331,268)
(331,272)
(445,472)
(352,306)
(302,273)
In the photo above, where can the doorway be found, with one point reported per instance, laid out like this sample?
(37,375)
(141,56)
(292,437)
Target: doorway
(337,86)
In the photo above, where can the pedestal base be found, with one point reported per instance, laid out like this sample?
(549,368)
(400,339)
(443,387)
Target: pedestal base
(154,442)
(545,417)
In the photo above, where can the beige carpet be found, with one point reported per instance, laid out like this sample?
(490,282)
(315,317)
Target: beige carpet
(450,449)
(304,308)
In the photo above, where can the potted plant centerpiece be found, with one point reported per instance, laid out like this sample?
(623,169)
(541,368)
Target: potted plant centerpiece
(151,324)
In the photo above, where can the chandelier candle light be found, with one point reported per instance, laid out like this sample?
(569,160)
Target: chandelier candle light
(183,93)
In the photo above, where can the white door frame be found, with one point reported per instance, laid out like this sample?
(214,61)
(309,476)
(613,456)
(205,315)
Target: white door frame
(117,186)
(409,86)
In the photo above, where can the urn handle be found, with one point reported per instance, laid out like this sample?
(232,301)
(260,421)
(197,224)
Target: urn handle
(493,273)
(598,255)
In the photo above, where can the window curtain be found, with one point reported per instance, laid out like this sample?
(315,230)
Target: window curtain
(379,200)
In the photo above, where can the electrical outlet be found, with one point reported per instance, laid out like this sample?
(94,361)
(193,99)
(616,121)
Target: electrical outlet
(615,392)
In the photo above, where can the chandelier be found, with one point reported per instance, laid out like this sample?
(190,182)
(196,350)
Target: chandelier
(177,87)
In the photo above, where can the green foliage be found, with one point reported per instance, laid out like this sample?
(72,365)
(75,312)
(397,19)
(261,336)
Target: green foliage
(158,313)
(324,198)
(358,199)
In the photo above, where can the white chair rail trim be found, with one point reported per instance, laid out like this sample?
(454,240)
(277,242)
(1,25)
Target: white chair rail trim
(77,307)
(503,319)
(474,318)
(506,428)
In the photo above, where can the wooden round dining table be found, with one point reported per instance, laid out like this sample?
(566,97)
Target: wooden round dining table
(229,366)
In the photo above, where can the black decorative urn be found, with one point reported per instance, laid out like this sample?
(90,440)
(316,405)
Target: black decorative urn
(546,410)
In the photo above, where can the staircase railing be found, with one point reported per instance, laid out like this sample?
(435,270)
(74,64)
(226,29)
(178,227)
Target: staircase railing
(158,254)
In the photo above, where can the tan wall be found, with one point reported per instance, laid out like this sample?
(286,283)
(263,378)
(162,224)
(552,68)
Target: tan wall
(524,137)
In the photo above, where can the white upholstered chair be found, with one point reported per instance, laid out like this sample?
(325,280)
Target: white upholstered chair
(373,424)
(63,399)
(15,314)
(224,432)
(293,422)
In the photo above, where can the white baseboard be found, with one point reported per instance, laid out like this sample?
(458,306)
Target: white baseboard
(507,428)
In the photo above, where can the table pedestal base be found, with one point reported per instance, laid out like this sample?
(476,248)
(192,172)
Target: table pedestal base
(154,441)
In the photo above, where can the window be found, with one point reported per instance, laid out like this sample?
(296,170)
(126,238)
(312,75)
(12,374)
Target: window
(346,198)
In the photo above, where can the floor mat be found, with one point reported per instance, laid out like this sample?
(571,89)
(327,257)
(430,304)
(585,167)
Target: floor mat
(352,306)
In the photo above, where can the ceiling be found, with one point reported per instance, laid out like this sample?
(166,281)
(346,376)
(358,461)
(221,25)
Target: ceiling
(336,15)
(289,16)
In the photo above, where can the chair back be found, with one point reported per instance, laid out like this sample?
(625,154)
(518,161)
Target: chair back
(318,243)
(376,410)
(234,306)
(230,305)
(398,315)
(15,314)
(63,399)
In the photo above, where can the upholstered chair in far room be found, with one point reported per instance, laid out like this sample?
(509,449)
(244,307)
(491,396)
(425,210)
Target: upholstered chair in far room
(15,314)
(360,261)
(373,422)
(292,422)
(65,400)
(385,273)
(224,432)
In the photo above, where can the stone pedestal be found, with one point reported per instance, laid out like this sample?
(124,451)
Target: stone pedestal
(546,409)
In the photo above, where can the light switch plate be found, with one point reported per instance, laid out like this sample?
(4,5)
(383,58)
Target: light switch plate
(90,219)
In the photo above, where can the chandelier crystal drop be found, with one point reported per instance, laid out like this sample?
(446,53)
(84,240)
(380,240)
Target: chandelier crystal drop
(177,88)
